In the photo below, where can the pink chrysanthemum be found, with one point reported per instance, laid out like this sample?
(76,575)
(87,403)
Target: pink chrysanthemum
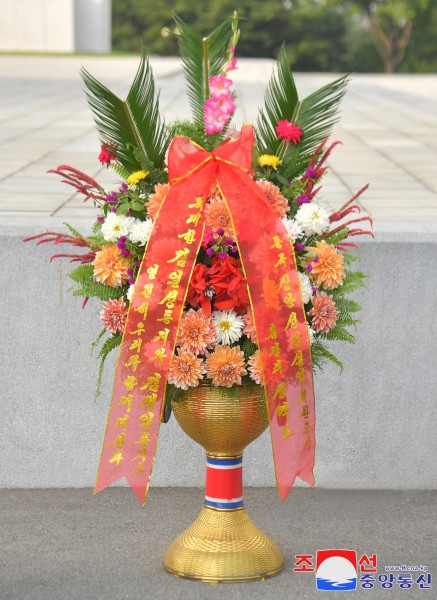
(225,366)
(217,217)
(274,196)
(249,326)
(324,313)
(255,367)
(156,199)
(196,332)
(186,370)
(113,315)
(289,131)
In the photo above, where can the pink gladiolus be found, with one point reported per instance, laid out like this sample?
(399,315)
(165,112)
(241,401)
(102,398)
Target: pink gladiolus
(217,113)
(230,66)
(219,86)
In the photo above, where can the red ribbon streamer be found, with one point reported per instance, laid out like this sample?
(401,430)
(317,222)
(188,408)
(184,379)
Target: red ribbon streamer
(149,339)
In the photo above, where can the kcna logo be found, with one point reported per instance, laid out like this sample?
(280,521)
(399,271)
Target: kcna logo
(336,570)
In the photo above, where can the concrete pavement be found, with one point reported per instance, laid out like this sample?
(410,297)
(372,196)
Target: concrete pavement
(388,130)
(65,544)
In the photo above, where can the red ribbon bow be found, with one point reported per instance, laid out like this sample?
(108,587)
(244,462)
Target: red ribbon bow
(149,339)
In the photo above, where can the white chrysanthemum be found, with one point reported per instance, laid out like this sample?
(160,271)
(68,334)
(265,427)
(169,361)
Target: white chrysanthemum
(313,219)
(323,203)
(140,231)
(115,226)
(229,326)
(305,287)
(130,293)
(293,228)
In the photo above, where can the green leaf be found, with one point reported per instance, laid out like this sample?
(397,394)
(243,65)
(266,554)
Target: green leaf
(320,354)
(201,59)
(132,122)
(339,333)
(120,170)
(73,230)
(280,103)
(110,344)
(315,115)
(337,237)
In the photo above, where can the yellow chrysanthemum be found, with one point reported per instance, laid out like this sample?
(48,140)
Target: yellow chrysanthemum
(136,177)
(269,160)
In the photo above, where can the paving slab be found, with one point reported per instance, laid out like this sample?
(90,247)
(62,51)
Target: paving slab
(65,544)
(388,129)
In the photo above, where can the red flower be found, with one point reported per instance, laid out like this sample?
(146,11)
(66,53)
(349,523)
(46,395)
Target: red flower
(105,155)
(226,279)
(198,286)
(289,131)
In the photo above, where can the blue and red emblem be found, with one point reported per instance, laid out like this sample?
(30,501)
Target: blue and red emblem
(224,482)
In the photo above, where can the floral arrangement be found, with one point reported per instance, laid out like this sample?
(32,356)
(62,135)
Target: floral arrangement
(217,337)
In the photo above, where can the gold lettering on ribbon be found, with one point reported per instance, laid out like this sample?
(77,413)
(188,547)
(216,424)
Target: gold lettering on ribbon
(181,257)
(277,243)
(153,271)
(167,318)
(147,290)
(134,361)
(126,401)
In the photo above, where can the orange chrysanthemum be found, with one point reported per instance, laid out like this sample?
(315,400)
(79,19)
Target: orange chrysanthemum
(109,267)
(255,367)
(328,271)
(274,196)
(225,366)
(196,332)
(217,216)
(185,370)
(156,199)
(249,326)
(324,313)
(113,315)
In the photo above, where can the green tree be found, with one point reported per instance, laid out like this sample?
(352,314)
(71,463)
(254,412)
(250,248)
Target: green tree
(391,25)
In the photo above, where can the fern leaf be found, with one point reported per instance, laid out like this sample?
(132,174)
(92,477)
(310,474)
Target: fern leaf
(339,333)
(201,58)
(134,122)
(82,274)
(320,354)
(109,345)
(120,170)
(73,230)
(337,237)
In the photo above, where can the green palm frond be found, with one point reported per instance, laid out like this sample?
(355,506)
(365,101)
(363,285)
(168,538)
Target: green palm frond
(315,115)
(280,102)
(131,123)
(201,58)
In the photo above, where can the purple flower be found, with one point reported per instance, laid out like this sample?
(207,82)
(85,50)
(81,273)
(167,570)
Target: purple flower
(125,252)
(310,173)
(124,187)
(220,231)
(298,246)
(121,244)
(222,255)
(316,260)
(130,272)
(131,280)
(309,268)
(234,249)
(210,252)
(229,242)
(114,210)
(138,263)
(303,198)
(100,219)
(314,288)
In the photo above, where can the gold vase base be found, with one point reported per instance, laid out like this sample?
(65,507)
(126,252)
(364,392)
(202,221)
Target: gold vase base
(223,546)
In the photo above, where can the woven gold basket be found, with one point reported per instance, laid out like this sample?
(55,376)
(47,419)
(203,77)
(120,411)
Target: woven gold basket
(223,544)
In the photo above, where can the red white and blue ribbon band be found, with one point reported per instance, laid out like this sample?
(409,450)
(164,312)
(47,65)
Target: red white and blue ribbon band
(224,482)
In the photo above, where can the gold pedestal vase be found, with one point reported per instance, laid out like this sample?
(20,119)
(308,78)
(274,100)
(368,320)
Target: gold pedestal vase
(223,544)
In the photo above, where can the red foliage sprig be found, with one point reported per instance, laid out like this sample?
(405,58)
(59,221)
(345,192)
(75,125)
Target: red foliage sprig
(83,183)
(65,238)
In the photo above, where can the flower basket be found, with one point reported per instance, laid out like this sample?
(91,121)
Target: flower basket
(222,277)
